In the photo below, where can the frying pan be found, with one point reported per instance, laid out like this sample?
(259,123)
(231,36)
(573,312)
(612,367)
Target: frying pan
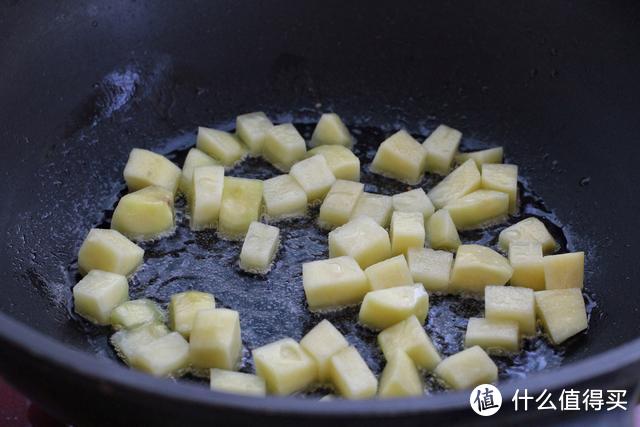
(82,83)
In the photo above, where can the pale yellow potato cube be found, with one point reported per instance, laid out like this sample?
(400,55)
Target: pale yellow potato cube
(376,206)
(562,313)
(322,342)
(528,268)
(511,303)
(494,336)
(183,308)
(333,283)
(415,200)
(237,383)
(259,248)
(400,157)
(241,205)
(503,178)
(361,238)
(284,198)
(252,129)
(564,270)
(342,162)
(351,376)
(467,369)
(478,209)
(283,146)
(386,307)
(400,378)
(338,205)
(164,356)
(406,231)
(127,342)
(285,366)
(330,130)
(220,145)
(430,267)
(145,214)
(442,232)
(462,181)
(409,337)
(208,183)
(195,159)
(441,146)
(109,250)
(131,314)
(490,155)
(389,273)
(477,266)
(98,293)
(215,340)
(314,176)
(528,230)
(145,168)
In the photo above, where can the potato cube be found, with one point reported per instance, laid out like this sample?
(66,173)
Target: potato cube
(361,238)
(259,248)
(109,250)
(389,273)
(146,214)
(98,293)
(241,205)
(215,339)
(314,176)
(342,162)
(164,356)
(386,307)
(127,342)
(220,145)
(183,309)
(462,181)
(252,129)
(478,209)
(511,303)
(467,369)
(375,206)
(407,231)
(409,337)
(442,232)
(415,200)
(285,366)
(131,314)
(528,230)
(400,157)
(195,159)
(431,268)
(351,376)
(494,336)
(330,130)
(145,168)
(284,198)
(237,383)
(564,270)
(441,145)
(400,378)
(333,283)
(503,178)
(528,269)
(322,342)
(337,207)
(490,155)
(477,266)
(208,183)
(283,146)
(562,313)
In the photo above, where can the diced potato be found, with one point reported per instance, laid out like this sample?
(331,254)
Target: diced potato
(375,206)
(361,238)
(494,336)
(164,356)
(511,303)
(314,176)
(215,339)
(564,270)
(145,168)
(342,162)
(259,248)
(528,269)
(285,366)
(208,183)
(284,198)
(330,130)
(562,313)
(400,157)
(127,342)
(441,145)
(462,181)
(503,178)
(283,146)
(389,273)
(241,205)
(478,209)
(477,266)
(322,342)
(431,268)
(109,250)
(131,314)
(98,293)
(409,337)
(195,159)
(386,307)
(339,203)
(220,145)
(528,230)
(415,200)
(400,378)
(442,232)
(237,383)
(145,214)
(490,155)
(407,231)
(333,283)
(183,309)
(467,369)
(252,129)
(351,376)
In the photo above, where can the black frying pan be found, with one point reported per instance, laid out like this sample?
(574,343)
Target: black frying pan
(82,83)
